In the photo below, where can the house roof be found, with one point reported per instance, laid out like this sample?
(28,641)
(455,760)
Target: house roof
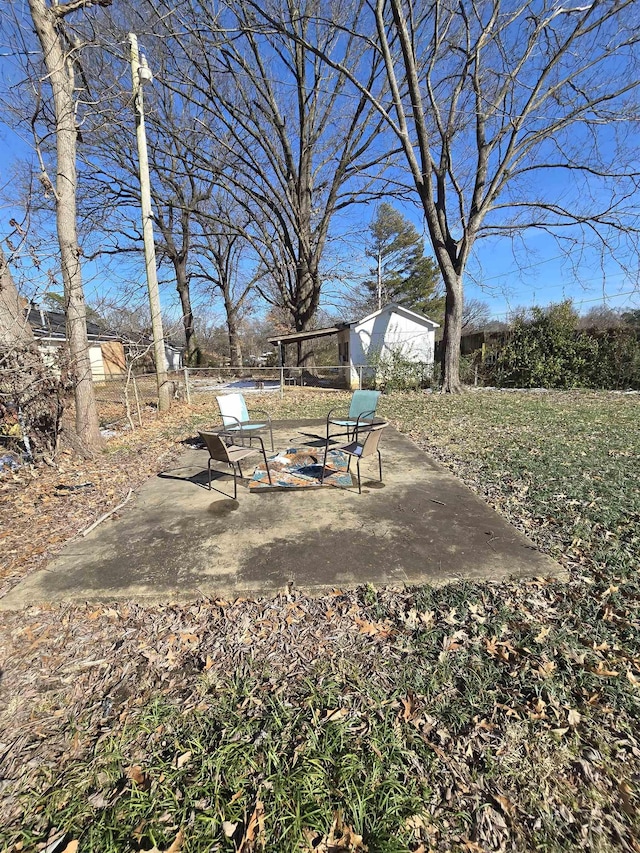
(52,325)
(138,339)
(394,308)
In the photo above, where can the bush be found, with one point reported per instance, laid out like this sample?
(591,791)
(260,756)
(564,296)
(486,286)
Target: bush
(395,371)
(618,362)
(546,349)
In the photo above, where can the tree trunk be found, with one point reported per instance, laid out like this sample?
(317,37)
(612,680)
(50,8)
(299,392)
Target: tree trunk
(15,331)
(450,361)
(182,284)
(61,79)
(304,311)
(29,391)
(235,349)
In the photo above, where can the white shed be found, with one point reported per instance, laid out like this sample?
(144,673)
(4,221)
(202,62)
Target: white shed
(391,331)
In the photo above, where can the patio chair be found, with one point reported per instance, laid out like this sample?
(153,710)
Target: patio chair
(366,440)
(362,410)
(222,449)
(235,417)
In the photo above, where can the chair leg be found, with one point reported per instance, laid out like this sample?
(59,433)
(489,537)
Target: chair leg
(235,483)
(266,465)
(271,434)
(324,460)
(209,471)
(359,483)
(380,464)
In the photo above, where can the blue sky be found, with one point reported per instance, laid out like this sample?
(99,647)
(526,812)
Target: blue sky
(541,272)
(539,275)
(506,277)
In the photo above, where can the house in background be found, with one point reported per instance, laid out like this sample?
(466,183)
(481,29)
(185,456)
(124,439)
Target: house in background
(388,333)
(140,347)
(109,352)
(106,350)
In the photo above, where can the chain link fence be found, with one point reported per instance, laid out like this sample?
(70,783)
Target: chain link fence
(276,379)
(122,399)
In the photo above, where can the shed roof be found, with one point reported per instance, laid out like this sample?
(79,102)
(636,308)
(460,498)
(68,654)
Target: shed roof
(394,308)
(293,337)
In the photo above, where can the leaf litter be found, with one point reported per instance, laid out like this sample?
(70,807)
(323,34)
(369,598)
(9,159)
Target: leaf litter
(472,717)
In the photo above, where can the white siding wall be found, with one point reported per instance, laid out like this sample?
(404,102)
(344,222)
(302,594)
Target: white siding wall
(173,358)
(97,365)
(392,332)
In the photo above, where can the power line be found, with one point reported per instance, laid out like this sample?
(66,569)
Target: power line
(602,298)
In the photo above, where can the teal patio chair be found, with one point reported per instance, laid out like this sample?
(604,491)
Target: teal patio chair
(362,410)
(366,441)
(235,417)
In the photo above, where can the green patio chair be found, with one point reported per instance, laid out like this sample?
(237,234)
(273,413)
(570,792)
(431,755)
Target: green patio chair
(222,449)
(362,409)
(235,417)
(366,441)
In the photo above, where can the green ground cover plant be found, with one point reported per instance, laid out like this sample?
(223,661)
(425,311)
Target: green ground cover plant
(470,717)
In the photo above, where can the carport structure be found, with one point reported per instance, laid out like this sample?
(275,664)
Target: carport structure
(178,541)
(341,330)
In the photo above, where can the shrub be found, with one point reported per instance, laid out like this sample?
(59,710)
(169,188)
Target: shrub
(618,362)
(396,371)
(544,350)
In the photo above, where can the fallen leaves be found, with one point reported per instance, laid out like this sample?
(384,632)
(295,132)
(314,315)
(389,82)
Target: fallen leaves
(136,774)
(380,630)
(573,717)
(503,698)
(341,838)
(174,847)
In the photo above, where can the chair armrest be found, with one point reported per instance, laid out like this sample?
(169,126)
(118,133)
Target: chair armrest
(262,412)
(368,426)
(336,413)
(231,418)
(259,438)
(365,417)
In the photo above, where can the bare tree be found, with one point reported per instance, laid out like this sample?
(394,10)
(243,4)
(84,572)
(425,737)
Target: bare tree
(511,118)
(475,315)
(304,142)
(181,181)
(28,390)
(60,52)
(224,264)
(601,317)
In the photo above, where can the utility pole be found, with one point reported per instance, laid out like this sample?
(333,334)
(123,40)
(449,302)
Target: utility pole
(141,74)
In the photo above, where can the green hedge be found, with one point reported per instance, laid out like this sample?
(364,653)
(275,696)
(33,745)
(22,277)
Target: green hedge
(547,350)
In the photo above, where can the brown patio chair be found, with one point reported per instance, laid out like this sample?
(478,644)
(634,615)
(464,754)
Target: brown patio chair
(222,449)
(366,440)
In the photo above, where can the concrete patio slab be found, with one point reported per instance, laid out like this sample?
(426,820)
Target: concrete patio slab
(177,541)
